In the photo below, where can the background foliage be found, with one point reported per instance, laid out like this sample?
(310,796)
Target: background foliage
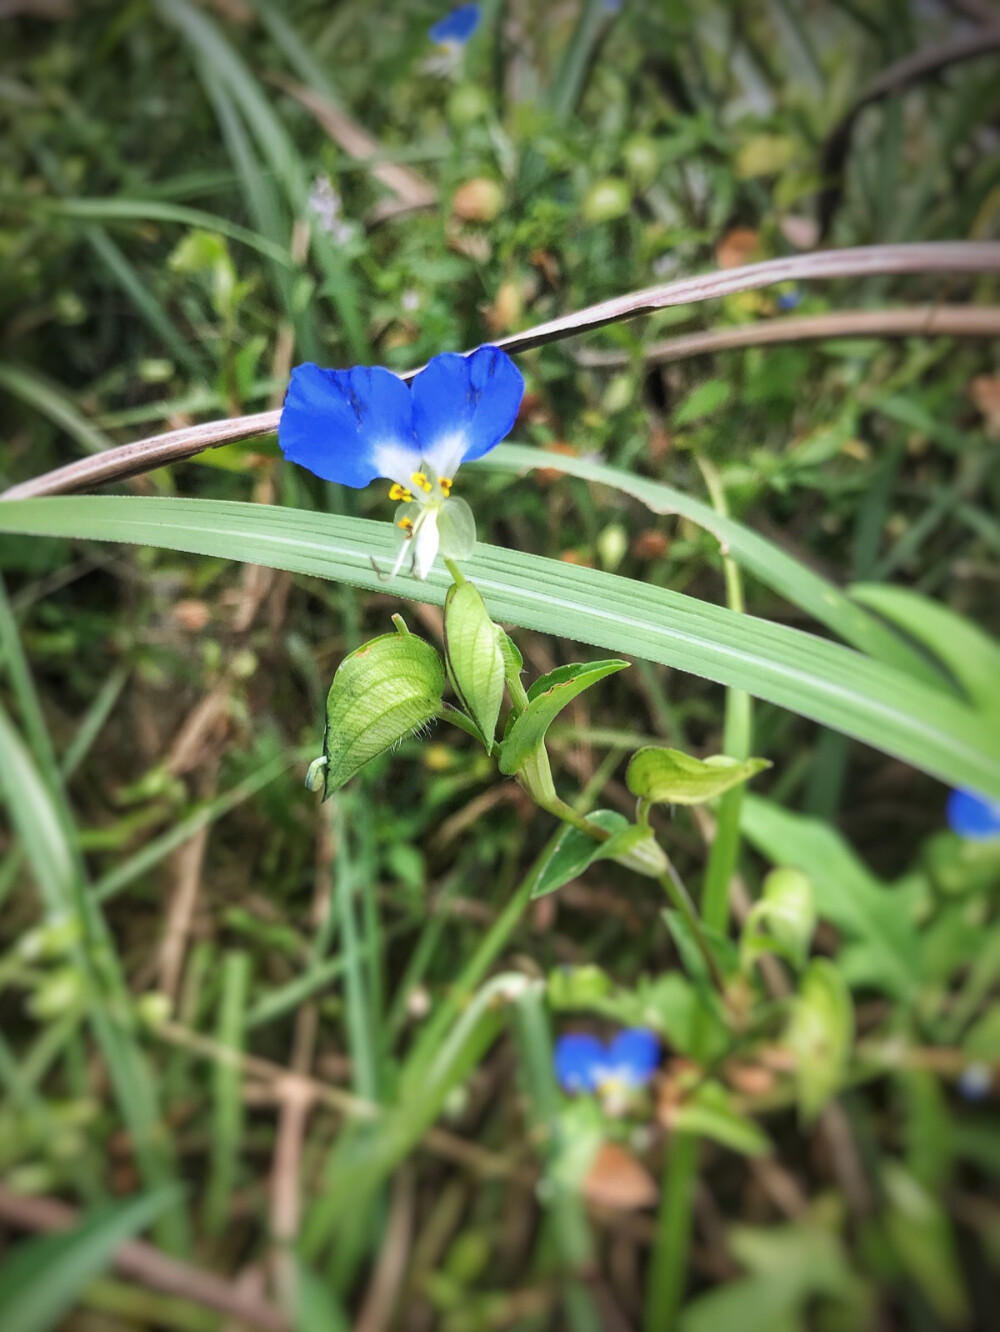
(291,1042)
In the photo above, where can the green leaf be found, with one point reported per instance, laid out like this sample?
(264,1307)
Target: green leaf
(982,1040)
(42,1278)
(671,777)
(381,692)
(846,893)
(971,656)
(820,1034)
(546,699)
(923,1238)
(574,850)
(710,1112)
(869,700)
(776,569)
(707,398)
(722,948)
(474,658)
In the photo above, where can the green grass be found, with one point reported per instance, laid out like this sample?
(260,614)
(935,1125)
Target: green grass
(350,1098)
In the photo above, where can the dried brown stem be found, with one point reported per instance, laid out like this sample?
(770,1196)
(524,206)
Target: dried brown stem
(864,261)
(959,321)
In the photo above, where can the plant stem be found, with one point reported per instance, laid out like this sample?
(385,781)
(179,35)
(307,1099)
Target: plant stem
(673,885)
(672,1246)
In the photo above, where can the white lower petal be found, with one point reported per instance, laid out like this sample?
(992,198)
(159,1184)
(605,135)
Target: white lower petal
(425,542)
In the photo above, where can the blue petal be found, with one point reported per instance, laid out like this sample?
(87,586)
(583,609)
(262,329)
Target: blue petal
(457,27)
(348,426)
(464,405)
(634,1054)
(973,816)
(577,1061)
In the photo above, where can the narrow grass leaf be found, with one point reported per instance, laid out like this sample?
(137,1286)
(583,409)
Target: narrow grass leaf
(839,688)
(43,1277)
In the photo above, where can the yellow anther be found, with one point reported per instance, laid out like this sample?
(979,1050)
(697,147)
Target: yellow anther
(421,482)
(446,483)
(398,492)
(407,526)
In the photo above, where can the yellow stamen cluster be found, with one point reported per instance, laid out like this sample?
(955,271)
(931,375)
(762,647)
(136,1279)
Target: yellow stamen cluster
(446,483)
(398,492)
(421,481)
(407,525)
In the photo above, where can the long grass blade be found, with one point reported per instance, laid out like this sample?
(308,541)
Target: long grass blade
(835,686)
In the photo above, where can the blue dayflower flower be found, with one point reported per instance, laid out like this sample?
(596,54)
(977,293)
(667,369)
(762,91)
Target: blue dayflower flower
(973,816)
(633,1057)
(577,1059)
(351,426)
(789,299)
(456,28)
(585,1064)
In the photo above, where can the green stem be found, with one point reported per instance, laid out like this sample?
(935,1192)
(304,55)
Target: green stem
(672,1246)
(673,886)
(457,577)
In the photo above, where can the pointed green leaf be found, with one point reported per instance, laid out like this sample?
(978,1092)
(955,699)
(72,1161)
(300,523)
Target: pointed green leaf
(671,777)
(575,851)
(547,698)
(710,1112)
(43,1277)
(381,693)
(971,656)
(474,658)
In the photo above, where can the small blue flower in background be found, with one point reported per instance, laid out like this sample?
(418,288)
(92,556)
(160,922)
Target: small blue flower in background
(973,816)
(975,1082)
(585,1064)
(456,28)
(788,300)
(352,426)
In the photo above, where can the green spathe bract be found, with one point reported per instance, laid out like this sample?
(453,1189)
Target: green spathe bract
(474,657)
(380,694)
(671,777)
(820,1035)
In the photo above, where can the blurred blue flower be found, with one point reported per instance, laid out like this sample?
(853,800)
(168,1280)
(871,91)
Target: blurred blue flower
(352,426)
(585,1064)
(975,1082)
(973,816)
(456,28)
(788,300)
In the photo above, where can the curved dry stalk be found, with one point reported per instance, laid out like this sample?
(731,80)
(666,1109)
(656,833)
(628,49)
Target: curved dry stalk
(958,321)
(893,79)
(863,261)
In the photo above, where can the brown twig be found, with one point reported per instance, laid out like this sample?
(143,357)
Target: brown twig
(893,79)
(961,321)
(411,189)
(929,257)
(146,1265)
